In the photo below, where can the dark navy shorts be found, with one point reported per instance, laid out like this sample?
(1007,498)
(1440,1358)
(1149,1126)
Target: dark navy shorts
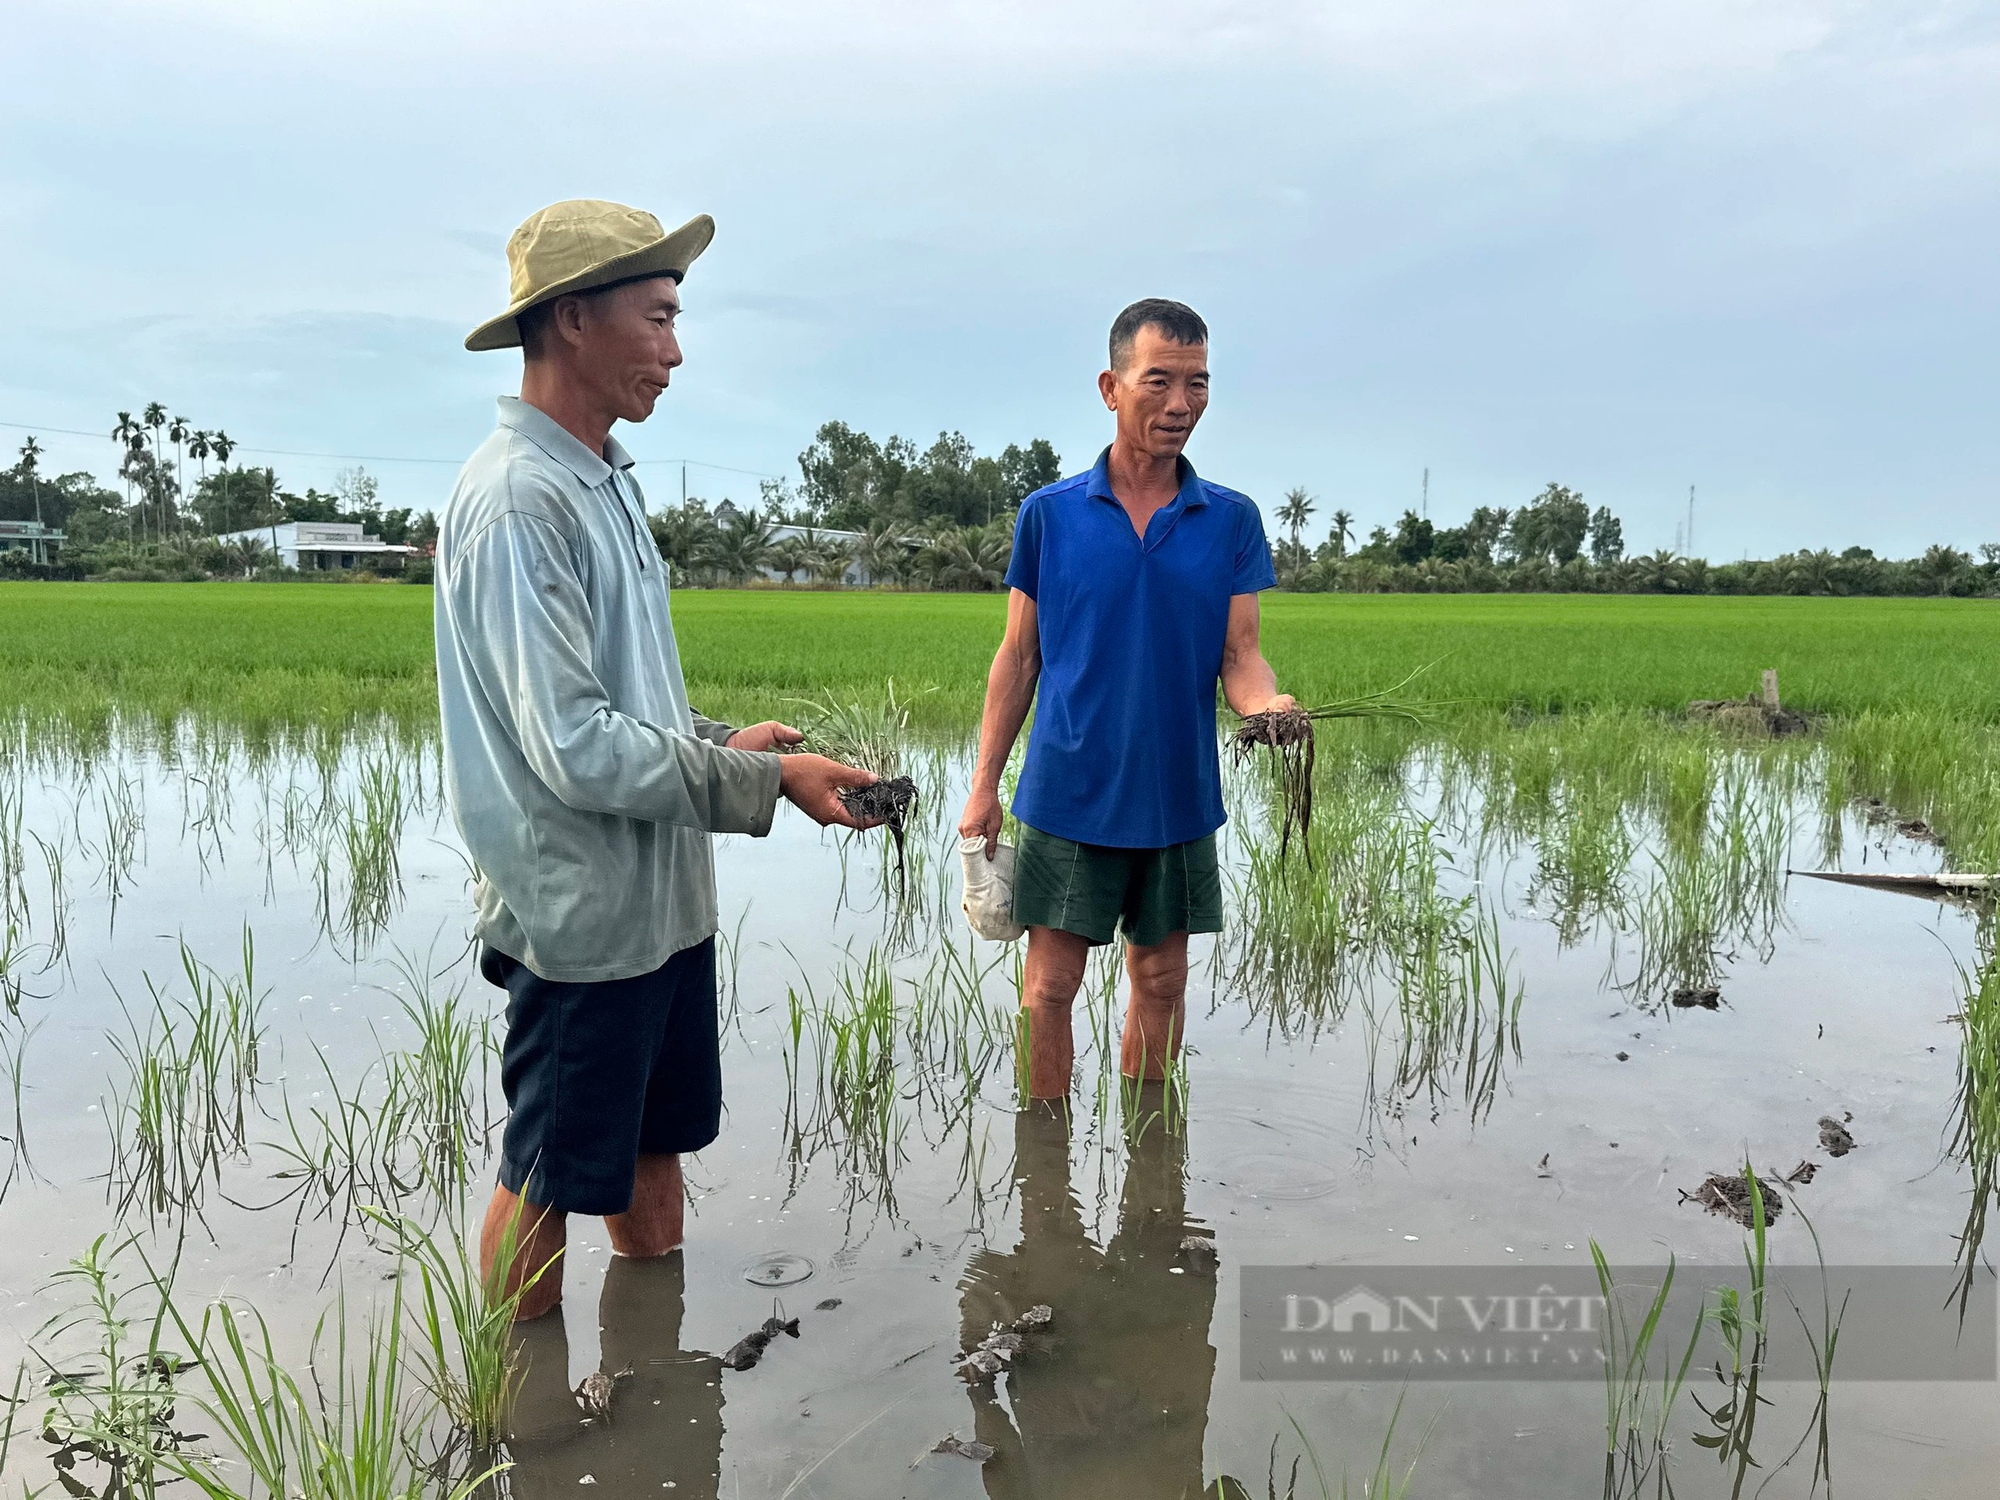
(597,1075)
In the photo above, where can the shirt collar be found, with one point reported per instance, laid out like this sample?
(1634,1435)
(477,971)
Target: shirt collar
(1191,492)
(541,429)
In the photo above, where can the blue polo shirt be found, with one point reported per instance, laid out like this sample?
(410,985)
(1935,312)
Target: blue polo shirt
(1123,751)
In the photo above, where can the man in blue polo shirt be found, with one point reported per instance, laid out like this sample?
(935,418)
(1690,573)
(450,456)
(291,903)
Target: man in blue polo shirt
(1133,591)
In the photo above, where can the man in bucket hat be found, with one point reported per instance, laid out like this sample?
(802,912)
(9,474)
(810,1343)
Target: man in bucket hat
(584,785)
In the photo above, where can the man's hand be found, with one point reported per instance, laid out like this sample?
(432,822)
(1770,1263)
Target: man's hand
(769,735)
(812,784)
(1279,703)
(982,818)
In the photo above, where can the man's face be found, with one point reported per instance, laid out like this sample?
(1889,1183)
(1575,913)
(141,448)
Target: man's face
(626,347)
(1159,395)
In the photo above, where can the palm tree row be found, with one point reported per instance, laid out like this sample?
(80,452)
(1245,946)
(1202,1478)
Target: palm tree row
(143,465)
(1942,571)
(731,546)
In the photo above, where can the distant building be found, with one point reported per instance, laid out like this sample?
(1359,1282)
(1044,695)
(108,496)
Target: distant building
(327,546)
(32,537)
(855,575)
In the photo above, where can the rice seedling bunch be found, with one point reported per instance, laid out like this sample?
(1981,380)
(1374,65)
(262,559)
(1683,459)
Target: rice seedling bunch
(1288,734)
(350,1430)
(1975,1137)
(467,1350)
(191,1069)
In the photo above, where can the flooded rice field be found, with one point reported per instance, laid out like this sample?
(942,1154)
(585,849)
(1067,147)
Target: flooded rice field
(1505,1007)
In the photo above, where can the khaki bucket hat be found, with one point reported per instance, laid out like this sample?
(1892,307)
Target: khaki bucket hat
(582,244)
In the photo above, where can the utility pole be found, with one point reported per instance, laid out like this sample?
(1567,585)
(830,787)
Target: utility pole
(1690,543)
(684,486)
(1427,492)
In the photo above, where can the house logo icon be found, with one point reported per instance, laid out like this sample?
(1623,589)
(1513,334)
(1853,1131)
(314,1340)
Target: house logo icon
(1363,1306)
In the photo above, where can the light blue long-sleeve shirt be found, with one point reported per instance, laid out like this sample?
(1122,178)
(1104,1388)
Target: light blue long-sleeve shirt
(584,786)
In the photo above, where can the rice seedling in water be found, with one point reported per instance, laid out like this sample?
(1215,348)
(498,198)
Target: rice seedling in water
(1733,1419)
(191,1069)
(850,1107)
(447,1079)
(120,797)
(1975,1137)
(350,1431)
(1824,1346)
(1636,1416)
(1458,1013)
(14,1035)
(467,1349)
(372,833)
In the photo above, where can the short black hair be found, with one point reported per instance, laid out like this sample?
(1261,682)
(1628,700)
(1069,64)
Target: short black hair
(1179,322)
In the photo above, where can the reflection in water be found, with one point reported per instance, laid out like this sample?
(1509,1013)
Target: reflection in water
(1114,1401)
(665,1427)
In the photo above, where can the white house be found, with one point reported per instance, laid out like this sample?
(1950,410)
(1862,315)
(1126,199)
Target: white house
(326,546)
(856,576)
(32,537)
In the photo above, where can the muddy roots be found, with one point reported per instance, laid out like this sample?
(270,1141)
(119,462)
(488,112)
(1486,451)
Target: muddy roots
(888,803)
(1288,734)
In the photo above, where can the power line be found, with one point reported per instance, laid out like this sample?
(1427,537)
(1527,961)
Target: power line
(380,458)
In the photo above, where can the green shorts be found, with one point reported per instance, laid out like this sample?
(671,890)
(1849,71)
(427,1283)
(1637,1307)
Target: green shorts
(1088,888)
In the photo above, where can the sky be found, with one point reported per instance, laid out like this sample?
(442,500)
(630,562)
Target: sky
(1622,245)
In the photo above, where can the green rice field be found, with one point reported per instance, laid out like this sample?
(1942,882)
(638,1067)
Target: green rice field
(290,655)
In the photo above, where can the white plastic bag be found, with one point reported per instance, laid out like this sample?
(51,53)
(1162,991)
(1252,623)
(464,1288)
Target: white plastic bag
(988,902)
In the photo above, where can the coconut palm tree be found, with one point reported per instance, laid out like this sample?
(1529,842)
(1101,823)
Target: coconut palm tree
(1658,573)
(1342,532)
(247,554)
(1811,572)
(1942,565)
(31,458)
(830,563)
(740,546)
(788,557)
(971,557)
(1296,511)
(880,553)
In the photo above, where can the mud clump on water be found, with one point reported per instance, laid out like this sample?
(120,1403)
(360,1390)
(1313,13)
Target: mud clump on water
(1750,715)
(1706,998)
(1834,1136)
(888,803)
(959,1447)
(1730,1197)
(996,1351)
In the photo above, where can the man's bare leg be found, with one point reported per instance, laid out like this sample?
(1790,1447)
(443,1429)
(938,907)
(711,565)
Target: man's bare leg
(539,1236)
(652,1225)
(1156,1015)
(1049,983)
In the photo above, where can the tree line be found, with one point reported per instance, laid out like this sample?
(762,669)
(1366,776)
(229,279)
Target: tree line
(896,515)
(164,523)
(1556,543)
